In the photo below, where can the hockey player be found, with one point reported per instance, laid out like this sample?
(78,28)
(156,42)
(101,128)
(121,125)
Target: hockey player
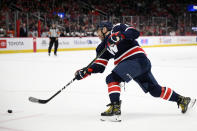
(130,63)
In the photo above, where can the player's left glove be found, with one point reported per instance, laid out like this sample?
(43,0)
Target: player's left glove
(115,38)
(83,73)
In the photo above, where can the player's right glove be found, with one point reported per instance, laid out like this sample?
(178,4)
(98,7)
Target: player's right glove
(83,73)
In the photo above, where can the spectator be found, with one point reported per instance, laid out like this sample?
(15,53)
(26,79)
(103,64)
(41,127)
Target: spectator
(2,32)
(23,30)
(77,21)
(62,33)
(172,32)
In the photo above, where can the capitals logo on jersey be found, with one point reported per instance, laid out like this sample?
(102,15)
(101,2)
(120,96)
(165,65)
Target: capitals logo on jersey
(113,49)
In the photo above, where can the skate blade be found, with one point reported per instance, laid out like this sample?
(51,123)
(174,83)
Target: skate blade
(192,103)
(115,118)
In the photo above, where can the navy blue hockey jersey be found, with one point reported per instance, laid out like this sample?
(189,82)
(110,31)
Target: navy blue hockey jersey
(128,48)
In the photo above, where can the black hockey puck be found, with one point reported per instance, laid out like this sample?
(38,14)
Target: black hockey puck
(9,111)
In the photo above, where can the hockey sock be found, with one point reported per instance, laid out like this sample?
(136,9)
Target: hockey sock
(113,81)
(169,94)
(114,91)
(164,93)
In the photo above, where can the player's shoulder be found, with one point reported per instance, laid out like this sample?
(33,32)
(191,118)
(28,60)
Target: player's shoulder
(119,27)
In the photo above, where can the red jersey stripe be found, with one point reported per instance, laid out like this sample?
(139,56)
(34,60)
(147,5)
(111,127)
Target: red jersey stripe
(101,61)
(131,52)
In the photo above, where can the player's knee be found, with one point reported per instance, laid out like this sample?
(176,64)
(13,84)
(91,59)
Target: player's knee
(113,78)
(155,90)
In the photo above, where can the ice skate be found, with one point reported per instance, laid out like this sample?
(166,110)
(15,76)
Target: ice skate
(185,103)
(113,113)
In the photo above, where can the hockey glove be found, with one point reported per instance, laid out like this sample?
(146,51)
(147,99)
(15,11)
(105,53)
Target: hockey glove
(115,38)
(83,73)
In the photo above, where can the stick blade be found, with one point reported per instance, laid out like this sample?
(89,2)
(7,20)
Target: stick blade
(32,99)
(35,100)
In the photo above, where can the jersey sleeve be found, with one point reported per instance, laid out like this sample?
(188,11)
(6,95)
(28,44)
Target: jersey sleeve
(100,64)
(128,32)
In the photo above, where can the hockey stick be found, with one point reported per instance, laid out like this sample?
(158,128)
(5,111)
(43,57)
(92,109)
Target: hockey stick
(40,101)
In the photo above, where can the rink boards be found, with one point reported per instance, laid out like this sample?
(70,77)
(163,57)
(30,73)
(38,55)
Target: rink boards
(22,45)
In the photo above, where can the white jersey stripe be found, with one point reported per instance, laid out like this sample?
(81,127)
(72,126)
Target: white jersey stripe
(132,55)
(129,28)
(101,64)
(102,59)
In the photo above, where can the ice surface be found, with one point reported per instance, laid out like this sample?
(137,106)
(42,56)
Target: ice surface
(78,107)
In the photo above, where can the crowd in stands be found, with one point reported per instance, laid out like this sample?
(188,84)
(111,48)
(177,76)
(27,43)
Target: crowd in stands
(150,17)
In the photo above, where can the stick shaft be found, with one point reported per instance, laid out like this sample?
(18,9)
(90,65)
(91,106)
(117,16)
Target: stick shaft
(45,101)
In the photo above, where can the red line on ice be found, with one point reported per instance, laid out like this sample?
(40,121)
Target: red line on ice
(20,118)
(10,129)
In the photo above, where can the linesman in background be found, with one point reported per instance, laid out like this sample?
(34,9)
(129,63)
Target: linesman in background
(53,35)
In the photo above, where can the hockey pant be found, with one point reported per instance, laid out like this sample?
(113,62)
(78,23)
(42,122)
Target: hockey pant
(139,70)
